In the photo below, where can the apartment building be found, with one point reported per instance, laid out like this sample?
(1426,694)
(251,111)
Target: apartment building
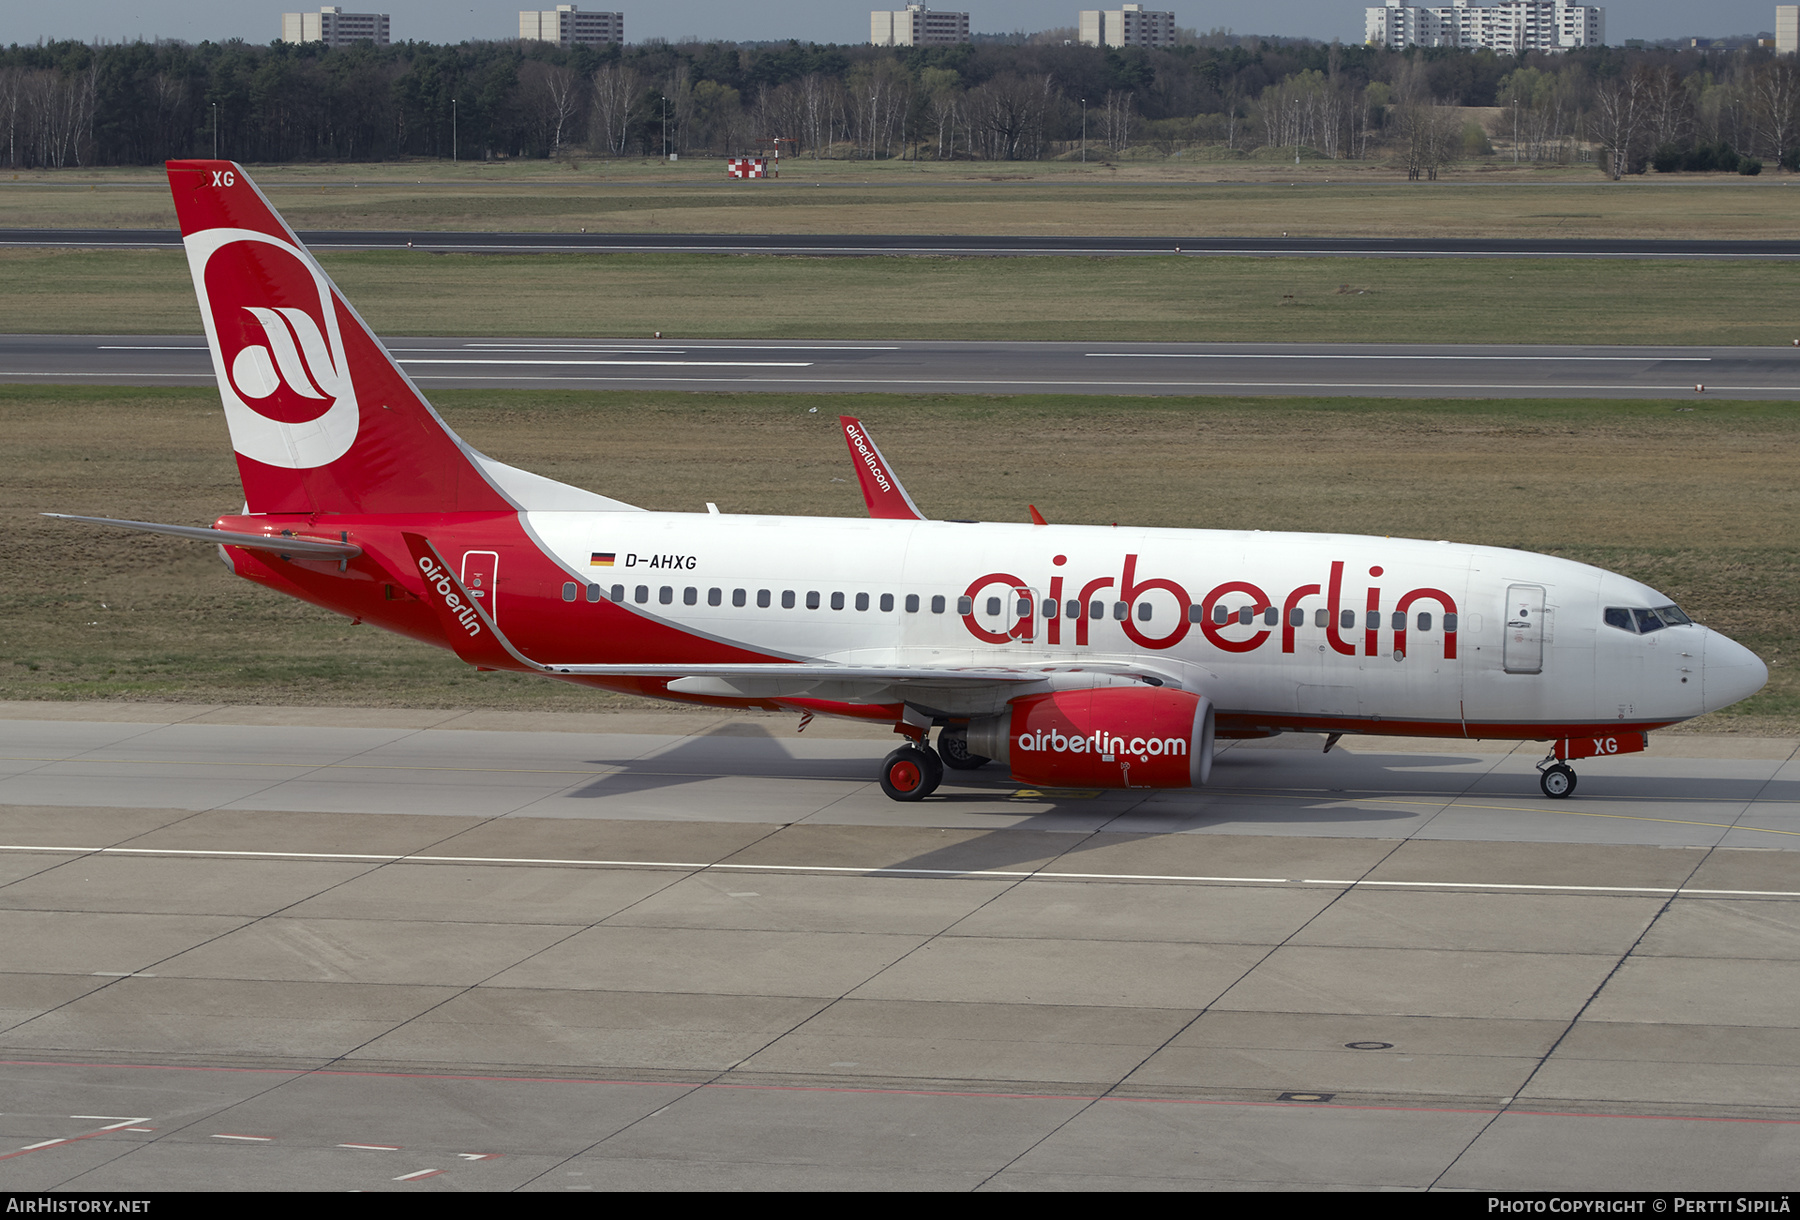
(1509,27)
(1131,26)
(567,26)
(335,28)
(917,26)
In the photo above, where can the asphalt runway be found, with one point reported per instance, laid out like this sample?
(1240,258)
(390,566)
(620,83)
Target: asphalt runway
(992,246)
(1396,370)
(257,949)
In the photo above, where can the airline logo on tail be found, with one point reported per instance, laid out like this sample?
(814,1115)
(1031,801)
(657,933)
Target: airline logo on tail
(272,324)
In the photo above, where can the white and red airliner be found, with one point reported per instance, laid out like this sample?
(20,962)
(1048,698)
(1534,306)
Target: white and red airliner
(1072,655)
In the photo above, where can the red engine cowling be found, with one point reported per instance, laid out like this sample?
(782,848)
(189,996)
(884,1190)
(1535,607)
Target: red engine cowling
(1109,737)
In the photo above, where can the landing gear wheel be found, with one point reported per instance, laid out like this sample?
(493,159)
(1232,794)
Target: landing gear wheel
(953,749)
(1558,781)
(911,774)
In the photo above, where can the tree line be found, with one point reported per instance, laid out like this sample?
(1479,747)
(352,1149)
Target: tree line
(68,104)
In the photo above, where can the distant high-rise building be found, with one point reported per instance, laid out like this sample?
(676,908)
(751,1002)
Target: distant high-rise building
(1510,27)
(1131,26)
(568,26)
(335,28)
(917,26)
(1787,29)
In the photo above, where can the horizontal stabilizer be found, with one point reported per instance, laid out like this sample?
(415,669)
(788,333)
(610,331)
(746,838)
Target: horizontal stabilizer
(281,544)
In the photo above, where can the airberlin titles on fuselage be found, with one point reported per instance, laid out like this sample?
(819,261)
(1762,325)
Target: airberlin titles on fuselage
(1252,605)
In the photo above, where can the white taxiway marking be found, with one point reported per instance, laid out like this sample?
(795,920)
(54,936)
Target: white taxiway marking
(1372,356)
(714,364)
(254,1139)
(886,870)
(417,1174)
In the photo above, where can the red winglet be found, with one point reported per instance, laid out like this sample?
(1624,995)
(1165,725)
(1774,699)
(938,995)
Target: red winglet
(1037,518)
(467,628)
(880,485)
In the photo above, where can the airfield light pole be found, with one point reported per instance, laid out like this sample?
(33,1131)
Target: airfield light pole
(665,103)
(453,131)
(1084,131)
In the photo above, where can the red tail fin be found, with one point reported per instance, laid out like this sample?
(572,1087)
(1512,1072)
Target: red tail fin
(322,418)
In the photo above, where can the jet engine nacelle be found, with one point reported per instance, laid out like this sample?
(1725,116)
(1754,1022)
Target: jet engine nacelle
(1107,737)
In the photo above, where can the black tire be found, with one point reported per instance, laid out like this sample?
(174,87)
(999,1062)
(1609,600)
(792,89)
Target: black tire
(953,749)
(911,774)
(1558,782)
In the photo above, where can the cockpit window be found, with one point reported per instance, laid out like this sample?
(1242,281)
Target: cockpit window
(1639,621)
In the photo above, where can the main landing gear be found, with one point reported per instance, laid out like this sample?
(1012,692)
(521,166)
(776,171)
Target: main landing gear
(953,748)
(911,773)
(1557,779)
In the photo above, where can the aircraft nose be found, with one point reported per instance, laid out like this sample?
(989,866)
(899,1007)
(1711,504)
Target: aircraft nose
(1729,672)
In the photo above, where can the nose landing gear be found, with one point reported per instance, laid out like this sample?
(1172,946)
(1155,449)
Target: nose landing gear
(1557,779)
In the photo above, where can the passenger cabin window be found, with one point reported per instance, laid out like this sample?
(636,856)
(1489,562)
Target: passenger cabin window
(666,595)
(569,591)
(642,593)
(1271,617)
(1296,617)
(1321,618)
(1424,620)
(762,599)
(862,601)
(787,599)
(964,605)
(812,599)
(993,606)
(1450,623)
(690,596)
(937,604)
(887,603)
(618,593)
(1346,619)
(1143,612)
(738,597)
(837,601)
(593,593)
(912,603)
(715,597)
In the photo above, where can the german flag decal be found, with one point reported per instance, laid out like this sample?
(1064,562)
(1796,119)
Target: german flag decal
(601,559)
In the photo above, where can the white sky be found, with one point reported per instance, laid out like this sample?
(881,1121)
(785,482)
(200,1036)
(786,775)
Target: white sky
(22,21)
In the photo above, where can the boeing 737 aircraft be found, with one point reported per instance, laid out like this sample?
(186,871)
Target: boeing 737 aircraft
(1072,655)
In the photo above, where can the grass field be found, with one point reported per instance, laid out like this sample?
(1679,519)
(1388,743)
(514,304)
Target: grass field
(1700,502)
(1162,198)
(1173,298)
